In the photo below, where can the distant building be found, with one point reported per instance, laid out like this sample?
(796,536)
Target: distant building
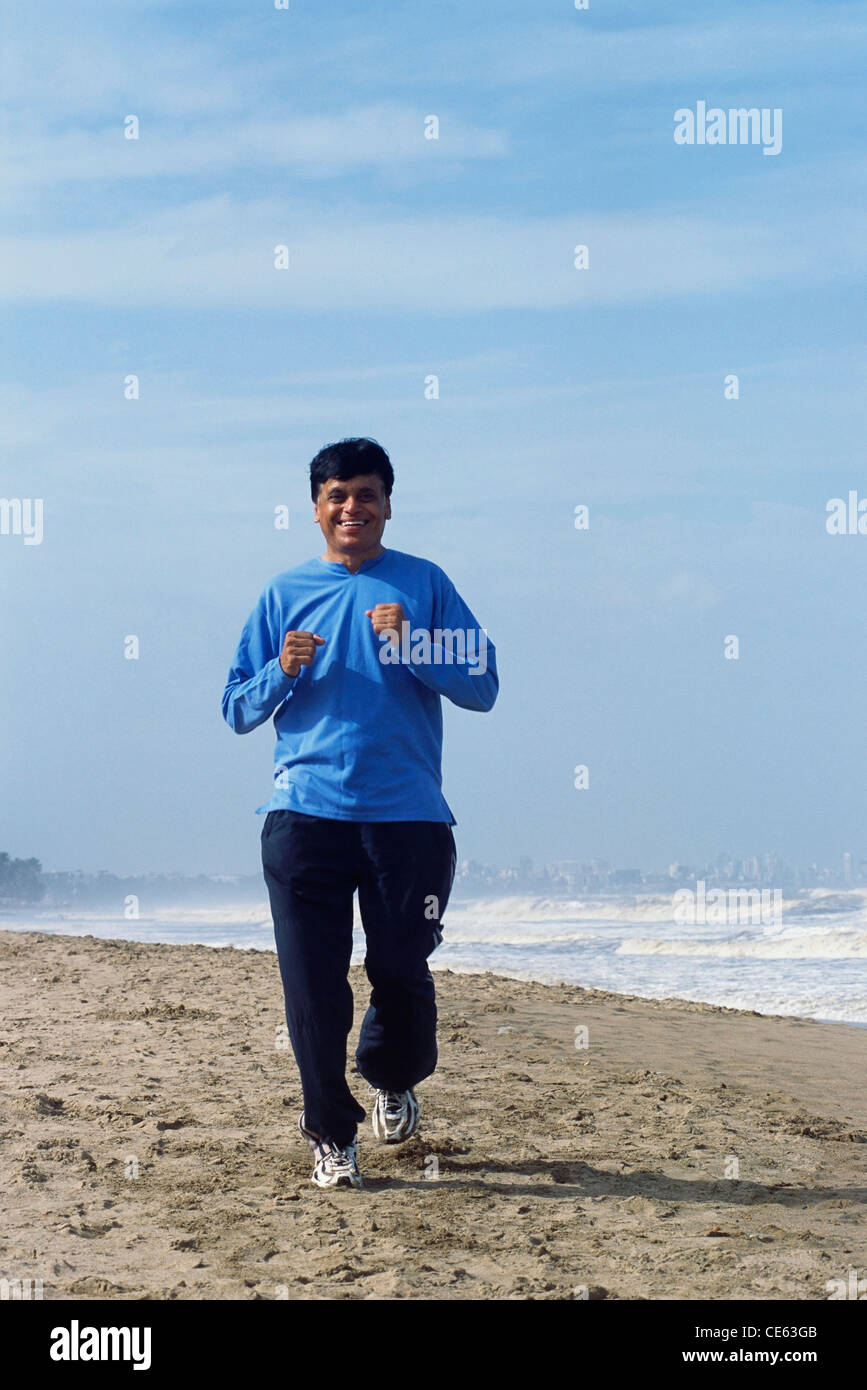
(624,878)
(570,872)
(680,872)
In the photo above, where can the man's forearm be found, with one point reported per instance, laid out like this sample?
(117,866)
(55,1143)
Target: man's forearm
(248,702)
(468,681)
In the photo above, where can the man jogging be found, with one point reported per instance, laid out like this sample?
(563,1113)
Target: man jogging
(351,653)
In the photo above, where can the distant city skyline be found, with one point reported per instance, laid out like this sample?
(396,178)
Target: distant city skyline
(764,870)
(25,881)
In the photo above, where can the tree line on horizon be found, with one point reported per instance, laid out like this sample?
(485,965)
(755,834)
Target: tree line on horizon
(24,883)
(21,880)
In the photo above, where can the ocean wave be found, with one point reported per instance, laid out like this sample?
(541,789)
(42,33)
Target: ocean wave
(820,945)
(648,908)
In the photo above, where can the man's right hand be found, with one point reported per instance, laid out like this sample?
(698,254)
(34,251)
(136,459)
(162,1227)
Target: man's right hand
(299,649)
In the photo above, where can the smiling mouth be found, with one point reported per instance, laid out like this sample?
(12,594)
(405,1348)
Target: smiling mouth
(351,525)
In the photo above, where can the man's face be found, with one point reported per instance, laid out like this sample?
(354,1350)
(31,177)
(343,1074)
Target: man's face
(352,515)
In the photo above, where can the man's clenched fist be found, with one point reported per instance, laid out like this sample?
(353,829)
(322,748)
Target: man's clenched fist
(386,615)
(299,649)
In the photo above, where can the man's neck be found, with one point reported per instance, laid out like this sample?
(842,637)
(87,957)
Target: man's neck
(353,562)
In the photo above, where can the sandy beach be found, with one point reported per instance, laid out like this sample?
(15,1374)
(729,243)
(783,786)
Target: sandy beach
(150,1148)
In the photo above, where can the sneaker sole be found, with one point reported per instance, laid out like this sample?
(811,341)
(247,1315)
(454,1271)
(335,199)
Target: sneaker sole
(344,1180)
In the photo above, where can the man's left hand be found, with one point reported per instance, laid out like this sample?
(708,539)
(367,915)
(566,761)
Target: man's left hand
(386,615)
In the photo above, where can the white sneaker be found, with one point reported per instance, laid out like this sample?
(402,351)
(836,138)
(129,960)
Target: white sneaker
(336,1165)
(395,1116)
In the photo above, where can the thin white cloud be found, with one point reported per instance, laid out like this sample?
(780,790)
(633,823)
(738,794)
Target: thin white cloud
(379,134)
(684,588)
(217,253)
(92,64)
(756,42)
(62,72)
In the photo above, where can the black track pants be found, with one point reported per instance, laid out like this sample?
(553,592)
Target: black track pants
(403,871)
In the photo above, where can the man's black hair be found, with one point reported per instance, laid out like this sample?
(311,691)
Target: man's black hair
(347,459)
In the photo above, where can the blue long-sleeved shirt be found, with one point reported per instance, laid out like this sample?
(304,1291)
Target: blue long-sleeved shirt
(360,738)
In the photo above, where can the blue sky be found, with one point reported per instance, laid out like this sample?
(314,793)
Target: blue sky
(454,257)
